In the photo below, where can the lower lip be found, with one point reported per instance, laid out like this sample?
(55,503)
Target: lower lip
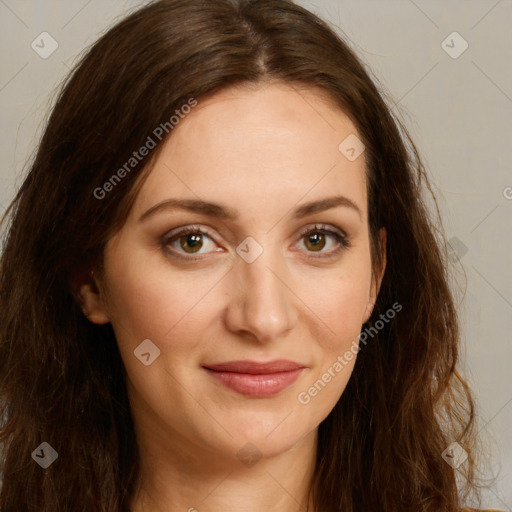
(259,386)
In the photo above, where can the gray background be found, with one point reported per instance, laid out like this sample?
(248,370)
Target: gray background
(458,111)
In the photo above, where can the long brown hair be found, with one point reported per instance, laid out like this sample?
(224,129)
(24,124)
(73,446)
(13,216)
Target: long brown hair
(62,378)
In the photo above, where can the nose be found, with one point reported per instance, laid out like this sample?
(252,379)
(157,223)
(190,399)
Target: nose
(261,302)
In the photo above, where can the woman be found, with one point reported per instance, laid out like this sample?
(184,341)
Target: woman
(221,287)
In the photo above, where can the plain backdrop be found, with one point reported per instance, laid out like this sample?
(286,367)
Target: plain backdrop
(445,67)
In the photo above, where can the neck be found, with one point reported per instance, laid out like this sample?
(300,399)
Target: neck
(185,478)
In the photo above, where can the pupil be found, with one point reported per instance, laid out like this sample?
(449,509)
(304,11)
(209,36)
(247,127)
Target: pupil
(316,240)
(192,241)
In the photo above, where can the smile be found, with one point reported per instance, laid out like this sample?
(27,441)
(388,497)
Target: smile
(258,380)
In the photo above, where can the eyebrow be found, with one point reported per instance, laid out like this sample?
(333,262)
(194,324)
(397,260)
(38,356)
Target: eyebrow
(224,212)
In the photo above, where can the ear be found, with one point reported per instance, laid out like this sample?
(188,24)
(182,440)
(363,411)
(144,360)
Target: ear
(377,276)
(89,296)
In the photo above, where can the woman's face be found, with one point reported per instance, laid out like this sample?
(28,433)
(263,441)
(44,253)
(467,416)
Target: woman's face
(258,171)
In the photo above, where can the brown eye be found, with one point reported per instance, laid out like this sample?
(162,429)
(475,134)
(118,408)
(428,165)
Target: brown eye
(191,243)
(189,240)
(319,237)
(315,242)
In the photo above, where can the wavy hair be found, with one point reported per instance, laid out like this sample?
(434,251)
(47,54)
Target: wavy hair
(62,380)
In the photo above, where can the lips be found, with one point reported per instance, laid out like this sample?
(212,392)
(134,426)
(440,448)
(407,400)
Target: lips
(256,368)
(255,379)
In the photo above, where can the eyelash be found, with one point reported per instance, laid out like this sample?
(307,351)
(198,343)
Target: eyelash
(342,239)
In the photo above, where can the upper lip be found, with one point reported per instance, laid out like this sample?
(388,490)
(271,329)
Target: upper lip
(256,368)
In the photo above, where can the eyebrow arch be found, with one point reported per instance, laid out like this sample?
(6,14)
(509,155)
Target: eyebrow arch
(223,212)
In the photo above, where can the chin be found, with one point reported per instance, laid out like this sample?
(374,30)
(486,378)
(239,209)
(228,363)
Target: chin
(270,440)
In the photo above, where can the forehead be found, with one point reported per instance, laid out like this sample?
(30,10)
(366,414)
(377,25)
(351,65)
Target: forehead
(255,146)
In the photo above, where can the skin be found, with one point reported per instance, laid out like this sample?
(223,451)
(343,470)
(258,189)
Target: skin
(262,151)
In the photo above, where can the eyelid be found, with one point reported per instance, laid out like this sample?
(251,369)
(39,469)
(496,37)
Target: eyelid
(341,237)
(322,227)
(343,240)
(189,228)
(177,232)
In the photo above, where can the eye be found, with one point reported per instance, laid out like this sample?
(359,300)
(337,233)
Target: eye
(316,238)
(188,240)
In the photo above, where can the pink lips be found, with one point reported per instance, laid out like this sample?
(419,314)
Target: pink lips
(255,379)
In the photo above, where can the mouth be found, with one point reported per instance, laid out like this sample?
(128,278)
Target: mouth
(258,380)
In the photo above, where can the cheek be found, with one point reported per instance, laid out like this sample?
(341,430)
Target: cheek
(171,308)
(342,300)
(338,311)
(149,300)
(338,303)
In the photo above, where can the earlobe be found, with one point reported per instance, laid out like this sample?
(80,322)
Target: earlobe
(368,311)
(91,303)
